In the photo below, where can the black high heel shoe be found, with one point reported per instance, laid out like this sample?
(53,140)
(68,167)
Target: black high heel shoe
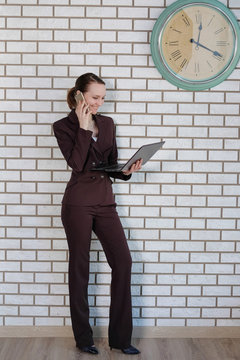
(131,350)
(89,349)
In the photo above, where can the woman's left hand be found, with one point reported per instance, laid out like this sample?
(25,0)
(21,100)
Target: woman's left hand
(135,167)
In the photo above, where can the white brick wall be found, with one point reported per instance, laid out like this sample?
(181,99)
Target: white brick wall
(180,213)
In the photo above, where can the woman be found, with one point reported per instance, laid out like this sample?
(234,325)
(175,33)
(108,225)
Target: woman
(86,140)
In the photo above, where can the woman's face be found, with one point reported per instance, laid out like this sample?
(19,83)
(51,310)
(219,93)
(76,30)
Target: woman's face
(94,96)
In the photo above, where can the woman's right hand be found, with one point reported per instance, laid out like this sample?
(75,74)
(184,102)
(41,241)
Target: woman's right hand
(83,113)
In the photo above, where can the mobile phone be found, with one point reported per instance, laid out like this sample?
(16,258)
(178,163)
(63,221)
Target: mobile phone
(79,97)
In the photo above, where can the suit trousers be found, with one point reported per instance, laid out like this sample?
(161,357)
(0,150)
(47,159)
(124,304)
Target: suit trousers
(78,222)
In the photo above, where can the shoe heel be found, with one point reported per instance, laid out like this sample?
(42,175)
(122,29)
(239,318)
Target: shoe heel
(110,348)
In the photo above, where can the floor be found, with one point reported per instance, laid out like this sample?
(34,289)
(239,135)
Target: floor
(151,349)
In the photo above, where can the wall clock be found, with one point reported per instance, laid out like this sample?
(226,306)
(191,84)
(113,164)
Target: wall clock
(195,45)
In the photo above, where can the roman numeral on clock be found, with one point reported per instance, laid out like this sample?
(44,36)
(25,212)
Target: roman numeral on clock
(183,63)
(186,21)
(176,55)
(219,31)
(197,68)
(198,17)
(222,43)
(173,43)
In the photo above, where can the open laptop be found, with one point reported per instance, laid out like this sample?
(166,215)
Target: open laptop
(145,152)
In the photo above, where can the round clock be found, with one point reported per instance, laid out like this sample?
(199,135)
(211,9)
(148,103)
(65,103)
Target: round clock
(195,45)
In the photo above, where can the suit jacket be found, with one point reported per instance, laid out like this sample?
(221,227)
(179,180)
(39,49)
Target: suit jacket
(86,187)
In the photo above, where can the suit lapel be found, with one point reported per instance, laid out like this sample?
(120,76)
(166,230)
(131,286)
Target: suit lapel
(101,145)
(97,145)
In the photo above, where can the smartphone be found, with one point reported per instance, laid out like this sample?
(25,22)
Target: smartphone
(79,97)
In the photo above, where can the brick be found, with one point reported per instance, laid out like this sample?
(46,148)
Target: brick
(202,279)
(116,2)
(191,201)
(132,84)
(186,290)
(205,97)
(226,109)
(190,223)
(135,12)
(21,47)
(176,166)
(35,83)
(175,234)
(8,310)
(158,268)
(10,10)
(117,24)
(120,72)
(221,201)
(177,120)
(220,224)
(188,312)
(189,245)
(207,167)
(201,301)
(205,235)
(192,155)
(132,37)
(206,212)
(216,313)
(220,246)
(208,144)
(159,223)
(206,120)
(20,164)
(171,301)
(46,47)
(155,312)
(144,211)
(85,23)
(170,322)
(159,246)
(189,268)
(50,23)
(175,212)
(223,155)
(37,11)
(200,322)
(193,108)
(131,107)
(103,36)
(37,35)
(162,108)
(83,48)
(156,290)
(217,290)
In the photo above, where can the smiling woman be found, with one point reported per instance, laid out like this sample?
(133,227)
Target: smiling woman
(87,139)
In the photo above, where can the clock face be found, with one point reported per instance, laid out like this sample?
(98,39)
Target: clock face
(196,44)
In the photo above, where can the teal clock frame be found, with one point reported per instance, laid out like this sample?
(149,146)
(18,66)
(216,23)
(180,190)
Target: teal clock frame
(175,79)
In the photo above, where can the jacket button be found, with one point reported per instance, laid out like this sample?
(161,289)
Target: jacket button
(102,176)
(93,177)
(93,163)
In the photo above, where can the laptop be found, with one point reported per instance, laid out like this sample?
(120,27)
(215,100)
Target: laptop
(145,152)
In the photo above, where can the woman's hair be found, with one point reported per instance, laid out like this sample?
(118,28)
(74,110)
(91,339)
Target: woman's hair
(82,84)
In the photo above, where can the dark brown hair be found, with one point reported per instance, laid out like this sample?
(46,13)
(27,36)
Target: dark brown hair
(82,84)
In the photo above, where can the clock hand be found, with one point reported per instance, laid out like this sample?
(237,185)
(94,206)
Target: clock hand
(215,53)
(200,29)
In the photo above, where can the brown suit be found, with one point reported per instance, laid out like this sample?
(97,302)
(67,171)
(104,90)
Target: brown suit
(81,152)
(88,204)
